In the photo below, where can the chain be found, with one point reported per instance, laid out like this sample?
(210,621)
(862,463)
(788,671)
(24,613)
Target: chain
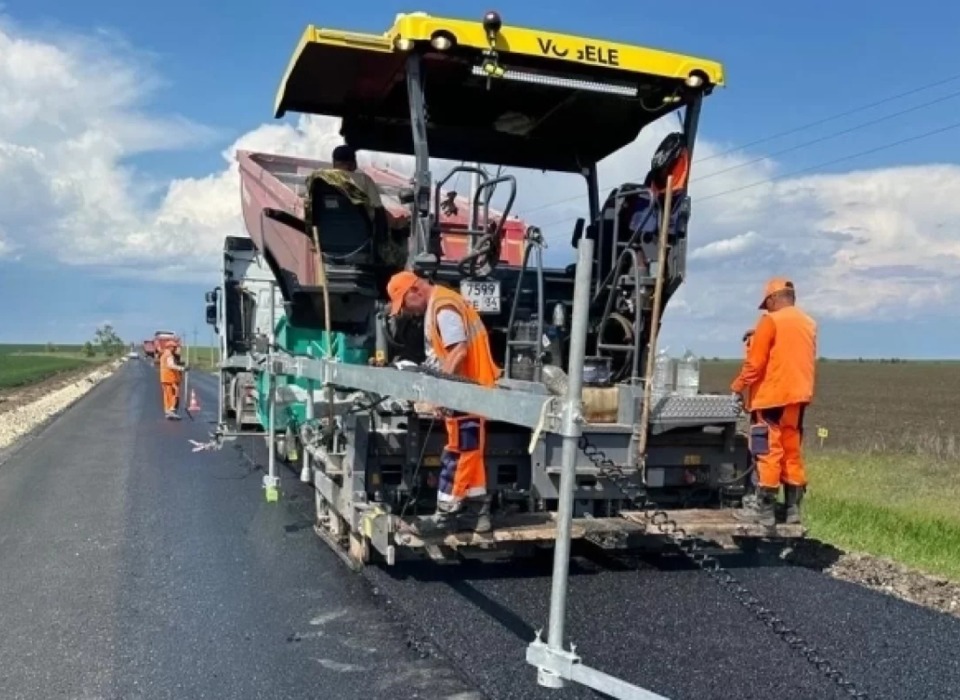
(636,494)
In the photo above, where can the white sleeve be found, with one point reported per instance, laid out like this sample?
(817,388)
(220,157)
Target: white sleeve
(451,327)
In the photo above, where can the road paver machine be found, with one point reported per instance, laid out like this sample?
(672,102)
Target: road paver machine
(327,361)
(579,444)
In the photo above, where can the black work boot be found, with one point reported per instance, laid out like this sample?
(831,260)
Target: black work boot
(476,514)
(759,508)
(793,495)
(446,519)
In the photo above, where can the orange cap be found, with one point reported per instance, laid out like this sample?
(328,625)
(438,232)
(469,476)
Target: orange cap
(777,284)
(397,288)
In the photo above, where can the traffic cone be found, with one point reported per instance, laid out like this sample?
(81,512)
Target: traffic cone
(194,404)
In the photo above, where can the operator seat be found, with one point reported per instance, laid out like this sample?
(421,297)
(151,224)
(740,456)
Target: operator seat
(672,158)
(348,236)
(349,240)
(640,206)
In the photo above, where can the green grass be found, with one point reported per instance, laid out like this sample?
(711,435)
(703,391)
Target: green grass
(902,507)
(38,349)
(202,358)
(24,364)
(17,370)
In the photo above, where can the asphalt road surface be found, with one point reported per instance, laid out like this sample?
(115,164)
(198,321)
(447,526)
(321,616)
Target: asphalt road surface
(132,568)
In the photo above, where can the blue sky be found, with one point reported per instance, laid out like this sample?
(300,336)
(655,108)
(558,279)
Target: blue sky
(785,67)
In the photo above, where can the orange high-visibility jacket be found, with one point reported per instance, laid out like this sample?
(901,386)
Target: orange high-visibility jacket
(780,367)
(168,375)
(478,365)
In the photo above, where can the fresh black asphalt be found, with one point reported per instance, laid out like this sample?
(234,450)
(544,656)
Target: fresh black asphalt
(133,568)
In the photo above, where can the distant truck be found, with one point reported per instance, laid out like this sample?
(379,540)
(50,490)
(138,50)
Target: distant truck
(239,311)
(149,349)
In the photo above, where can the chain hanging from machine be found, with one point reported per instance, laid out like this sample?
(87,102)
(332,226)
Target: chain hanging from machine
(689,547)
(636,495)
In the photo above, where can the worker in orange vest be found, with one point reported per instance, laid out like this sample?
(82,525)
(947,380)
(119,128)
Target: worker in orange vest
(456,343)
(171,375)
(778,375)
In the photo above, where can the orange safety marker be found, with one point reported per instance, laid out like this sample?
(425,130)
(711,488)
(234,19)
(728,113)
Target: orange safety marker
(194,404)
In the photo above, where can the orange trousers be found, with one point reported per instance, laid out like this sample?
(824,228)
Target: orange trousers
(463,472)
(171,396)
(776,436)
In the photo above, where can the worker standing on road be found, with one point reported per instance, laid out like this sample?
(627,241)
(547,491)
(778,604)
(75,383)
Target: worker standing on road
(171,376)
(779,375)
(456,343)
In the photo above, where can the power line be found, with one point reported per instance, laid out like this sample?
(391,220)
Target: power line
(792,173)
(833,135)
(803,127)
(842,159)
(834,117)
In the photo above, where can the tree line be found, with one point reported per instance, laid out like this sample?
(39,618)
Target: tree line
(106,342)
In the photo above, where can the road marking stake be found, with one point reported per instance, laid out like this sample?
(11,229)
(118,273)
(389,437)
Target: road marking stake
(822,433)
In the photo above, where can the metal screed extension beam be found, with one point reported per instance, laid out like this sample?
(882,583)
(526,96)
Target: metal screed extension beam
(566,664)
(516,407)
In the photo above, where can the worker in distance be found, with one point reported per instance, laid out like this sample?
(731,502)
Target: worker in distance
(456,342)
(171,378)
(778,375)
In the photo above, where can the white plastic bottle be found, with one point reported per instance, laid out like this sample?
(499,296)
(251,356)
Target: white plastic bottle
(688,375)
(663,379)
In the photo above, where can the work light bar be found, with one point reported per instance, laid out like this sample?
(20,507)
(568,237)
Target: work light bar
(555,81)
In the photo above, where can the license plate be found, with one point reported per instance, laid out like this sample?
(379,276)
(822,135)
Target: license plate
(484,295)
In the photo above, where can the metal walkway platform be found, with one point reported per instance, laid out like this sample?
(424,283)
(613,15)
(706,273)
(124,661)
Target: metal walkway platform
(716,525)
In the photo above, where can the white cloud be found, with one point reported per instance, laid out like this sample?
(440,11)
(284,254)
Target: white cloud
(877,243)
(727,247)
(69,115)
(6,247)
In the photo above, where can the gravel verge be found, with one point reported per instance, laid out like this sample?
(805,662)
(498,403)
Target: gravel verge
(878,573)
(27,417)
(15,397)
